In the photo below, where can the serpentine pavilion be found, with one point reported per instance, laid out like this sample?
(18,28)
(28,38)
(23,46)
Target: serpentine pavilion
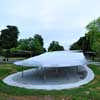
(52,71)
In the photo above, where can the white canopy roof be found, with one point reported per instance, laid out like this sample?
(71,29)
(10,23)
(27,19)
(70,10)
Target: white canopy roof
(55,59)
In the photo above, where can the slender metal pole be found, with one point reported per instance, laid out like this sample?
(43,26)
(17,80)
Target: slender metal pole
(22,72)
(56,70)
(77,69)
(44,74)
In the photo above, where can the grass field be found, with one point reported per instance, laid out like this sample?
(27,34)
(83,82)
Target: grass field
(90,91)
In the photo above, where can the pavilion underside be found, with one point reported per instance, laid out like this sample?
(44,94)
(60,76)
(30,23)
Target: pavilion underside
(52,75)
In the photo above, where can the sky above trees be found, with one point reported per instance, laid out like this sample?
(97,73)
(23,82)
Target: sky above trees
(59,20)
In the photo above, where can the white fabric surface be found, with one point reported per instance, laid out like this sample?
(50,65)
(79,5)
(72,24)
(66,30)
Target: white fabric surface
(55,59)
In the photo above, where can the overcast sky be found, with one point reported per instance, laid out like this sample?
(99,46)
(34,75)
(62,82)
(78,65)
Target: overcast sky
(59,20)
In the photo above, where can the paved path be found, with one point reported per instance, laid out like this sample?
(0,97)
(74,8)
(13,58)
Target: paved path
(93,62)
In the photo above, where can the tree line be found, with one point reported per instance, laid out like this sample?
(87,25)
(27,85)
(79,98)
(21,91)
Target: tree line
(9,43)
(91,41)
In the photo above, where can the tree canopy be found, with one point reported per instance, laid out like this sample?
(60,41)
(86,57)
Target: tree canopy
(55,46)
(91,40)
(8,37)
(34,44)
(39,39)
(9,43)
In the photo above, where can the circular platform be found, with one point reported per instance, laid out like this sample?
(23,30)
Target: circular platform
(63,79)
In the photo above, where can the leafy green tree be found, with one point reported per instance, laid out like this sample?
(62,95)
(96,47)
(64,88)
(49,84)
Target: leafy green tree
(91,40)
(38,44)
(23,44)
(39,38)
(55,46)
(82,44)
(38,49)
(77,45)
(8,37)
(0,47)
(94,34)
(34,44)
(8,40)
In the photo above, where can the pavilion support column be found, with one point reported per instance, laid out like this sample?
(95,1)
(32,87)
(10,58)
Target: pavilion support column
(41,76)
(77,69)
(22,72)
(56,71)
(44,74)
(41,72)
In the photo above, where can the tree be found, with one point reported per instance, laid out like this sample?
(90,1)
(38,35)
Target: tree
(77,45)
(38,48)
(38,44)
(91,40)
(82,44)
(94,34)
(39,38)
(55,46)
(34,44)
(25,44)
(0,47)
(8,37)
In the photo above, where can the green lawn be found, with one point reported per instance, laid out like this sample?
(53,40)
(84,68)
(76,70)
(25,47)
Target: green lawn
(90,91)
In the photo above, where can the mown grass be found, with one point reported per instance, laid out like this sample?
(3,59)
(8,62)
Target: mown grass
(90,91)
